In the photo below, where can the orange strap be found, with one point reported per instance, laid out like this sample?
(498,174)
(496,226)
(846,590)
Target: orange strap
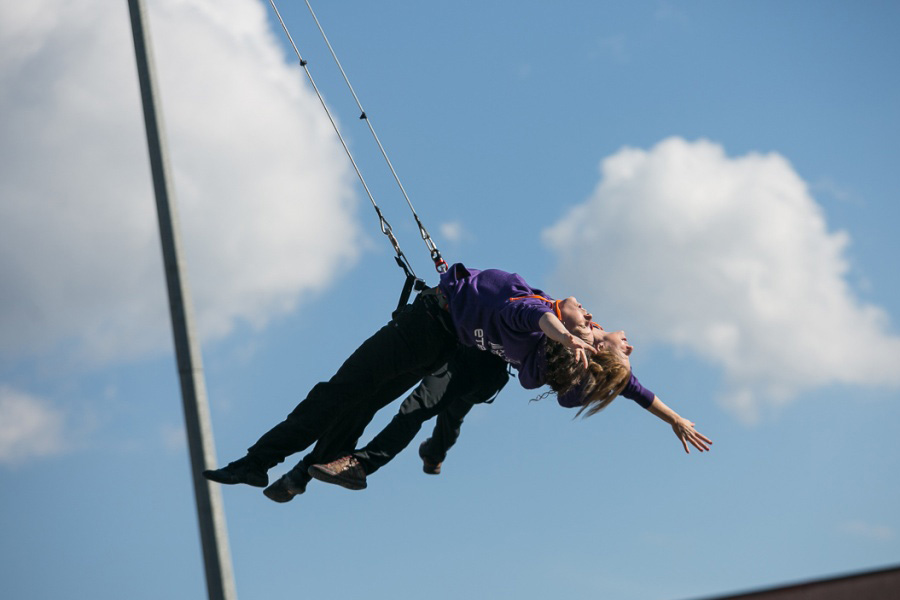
(555,303)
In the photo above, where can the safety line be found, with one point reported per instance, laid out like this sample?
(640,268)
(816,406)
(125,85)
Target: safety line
(439,263)
(385,226)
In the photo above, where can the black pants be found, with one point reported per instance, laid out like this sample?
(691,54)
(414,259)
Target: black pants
(415,343)
(470,377)
(447,426)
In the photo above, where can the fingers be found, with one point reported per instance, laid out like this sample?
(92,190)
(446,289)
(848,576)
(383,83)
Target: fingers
(699,441)
(581,356)
(687,434)
(699,445)
(578,343)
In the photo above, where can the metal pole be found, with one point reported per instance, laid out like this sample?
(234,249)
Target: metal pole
(211,516)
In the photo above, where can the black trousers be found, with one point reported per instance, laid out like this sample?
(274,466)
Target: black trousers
(416,342)
(447,427)
(470,377)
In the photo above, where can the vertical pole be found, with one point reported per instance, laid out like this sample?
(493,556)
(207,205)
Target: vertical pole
(211,516)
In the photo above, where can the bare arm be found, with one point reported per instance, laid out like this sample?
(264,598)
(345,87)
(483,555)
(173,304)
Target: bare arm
(683,428)
(556,331)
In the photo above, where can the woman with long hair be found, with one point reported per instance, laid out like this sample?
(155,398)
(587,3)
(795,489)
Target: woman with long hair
(547,341)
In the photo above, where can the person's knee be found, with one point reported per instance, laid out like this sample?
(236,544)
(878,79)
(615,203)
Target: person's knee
(417,414)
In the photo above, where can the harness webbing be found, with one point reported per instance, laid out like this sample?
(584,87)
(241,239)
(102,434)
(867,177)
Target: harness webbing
(550,301)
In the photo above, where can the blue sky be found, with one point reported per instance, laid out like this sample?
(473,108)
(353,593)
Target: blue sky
(715,178)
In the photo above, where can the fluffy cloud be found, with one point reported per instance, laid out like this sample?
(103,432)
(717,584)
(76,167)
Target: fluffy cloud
(453,231)
(28,427)
(862,529)
(262,187)
(727,258)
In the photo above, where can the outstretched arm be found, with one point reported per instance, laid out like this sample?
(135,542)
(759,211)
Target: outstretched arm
(683,428)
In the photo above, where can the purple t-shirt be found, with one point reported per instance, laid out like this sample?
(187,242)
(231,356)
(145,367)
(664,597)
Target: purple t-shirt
(486,316)
(491,310)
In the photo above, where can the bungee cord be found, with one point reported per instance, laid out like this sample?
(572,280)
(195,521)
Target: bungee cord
(383,222)
(439,263)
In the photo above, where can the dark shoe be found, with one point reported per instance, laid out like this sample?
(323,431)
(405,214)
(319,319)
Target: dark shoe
(247,470)
(345,472)
(429,465)
(292,483)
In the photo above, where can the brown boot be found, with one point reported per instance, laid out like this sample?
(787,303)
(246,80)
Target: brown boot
(346,472)
(293,483)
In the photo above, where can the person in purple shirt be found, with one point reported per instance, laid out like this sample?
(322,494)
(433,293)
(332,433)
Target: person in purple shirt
(548,341)
(350,471)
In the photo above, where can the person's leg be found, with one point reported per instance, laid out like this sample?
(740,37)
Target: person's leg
(470,376)
(434,450)
(348,471)
(423,403)
(490,379)
(340,439)
(414,343)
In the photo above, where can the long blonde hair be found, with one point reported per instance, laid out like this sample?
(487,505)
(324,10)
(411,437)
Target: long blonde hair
(604,378)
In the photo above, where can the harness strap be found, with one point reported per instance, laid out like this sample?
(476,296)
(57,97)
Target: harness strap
(550,301)
(412,282)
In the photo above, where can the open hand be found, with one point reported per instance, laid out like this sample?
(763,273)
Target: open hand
(685,431)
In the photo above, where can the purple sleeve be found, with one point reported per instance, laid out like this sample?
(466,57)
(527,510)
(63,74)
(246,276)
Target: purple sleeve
(570,399)
(633,391)
(524,315)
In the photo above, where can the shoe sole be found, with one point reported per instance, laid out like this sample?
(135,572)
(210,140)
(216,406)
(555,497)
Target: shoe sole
(317,472)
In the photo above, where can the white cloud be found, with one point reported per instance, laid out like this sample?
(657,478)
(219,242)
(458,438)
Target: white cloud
(29,427)
(867,530)
(452,231)
(263,189)
(727,258)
